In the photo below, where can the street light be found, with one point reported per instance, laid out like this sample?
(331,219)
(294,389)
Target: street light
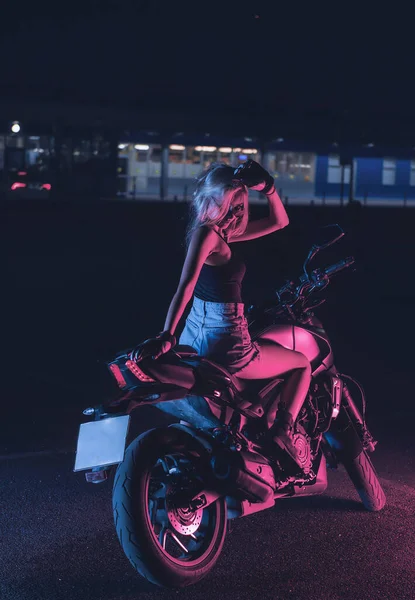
(15,127)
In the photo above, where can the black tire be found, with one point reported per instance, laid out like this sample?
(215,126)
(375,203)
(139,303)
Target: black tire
(152,552)
(363,475)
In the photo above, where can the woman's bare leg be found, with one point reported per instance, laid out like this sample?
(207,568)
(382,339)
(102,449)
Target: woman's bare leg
(275,360)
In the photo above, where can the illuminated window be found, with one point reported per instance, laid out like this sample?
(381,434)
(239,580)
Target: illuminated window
(208,149)
(297,166)
(100,147)
(155,153)
(412,175)
(192,155)
(305,166)
(334,174)
(176,153)
(208,159)
(141,155)
(388,171)
(37,152)
(81,151)
(224,157)
(285,162)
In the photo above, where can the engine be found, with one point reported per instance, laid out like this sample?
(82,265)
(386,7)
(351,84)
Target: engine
(316,413)
(302,443)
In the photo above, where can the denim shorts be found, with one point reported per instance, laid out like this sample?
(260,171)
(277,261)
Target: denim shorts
(219,331)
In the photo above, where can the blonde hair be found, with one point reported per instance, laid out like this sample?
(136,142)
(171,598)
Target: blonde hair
(215,190)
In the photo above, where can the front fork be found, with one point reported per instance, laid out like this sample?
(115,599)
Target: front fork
(354,414)
(348,433)
(337,387)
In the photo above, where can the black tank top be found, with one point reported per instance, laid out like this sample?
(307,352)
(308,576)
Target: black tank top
(221,283)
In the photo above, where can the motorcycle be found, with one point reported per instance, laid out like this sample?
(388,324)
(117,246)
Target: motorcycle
(177,488)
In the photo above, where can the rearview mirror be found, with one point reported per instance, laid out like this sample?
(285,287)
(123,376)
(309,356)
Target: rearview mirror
(328,235)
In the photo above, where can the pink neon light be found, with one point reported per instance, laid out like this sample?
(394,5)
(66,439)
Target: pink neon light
(47,186)
(17,185)
(135,369)
(118,375)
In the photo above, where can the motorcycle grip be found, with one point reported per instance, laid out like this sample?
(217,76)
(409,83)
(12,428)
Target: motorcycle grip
(342,264)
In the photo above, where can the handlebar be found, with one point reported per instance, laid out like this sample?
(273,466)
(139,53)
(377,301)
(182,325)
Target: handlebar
(342,264)
(292,295)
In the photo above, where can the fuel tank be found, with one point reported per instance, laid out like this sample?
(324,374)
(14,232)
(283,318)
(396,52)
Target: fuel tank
(310,339)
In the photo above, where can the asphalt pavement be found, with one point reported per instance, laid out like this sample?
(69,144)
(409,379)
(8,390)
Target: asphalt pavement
(59,542)
(84,282)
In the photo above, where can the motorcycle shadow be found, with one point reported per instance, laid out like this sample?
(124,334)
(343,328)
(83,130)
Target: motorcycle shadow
(319,503)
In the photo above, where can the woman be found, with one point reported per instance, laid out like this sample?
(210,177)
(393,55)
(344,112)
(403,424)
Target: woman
(216,326)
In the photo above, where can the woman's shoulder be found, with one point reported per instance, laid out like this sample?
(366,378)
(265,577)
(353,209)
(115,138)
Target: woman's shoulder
(204,232)
(203,235)
(205,240)
(205,228)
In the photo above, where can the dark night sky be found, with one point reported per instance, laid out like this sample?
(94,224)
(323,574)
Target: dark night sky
(214,55)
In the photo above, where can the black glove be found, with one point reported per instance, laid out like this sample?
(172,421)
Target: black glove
(251,173)
(154,347)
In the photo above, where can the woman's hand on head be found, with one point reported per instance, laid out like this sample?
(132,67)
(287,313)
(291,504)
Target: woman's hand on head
(254,176)
(259,187)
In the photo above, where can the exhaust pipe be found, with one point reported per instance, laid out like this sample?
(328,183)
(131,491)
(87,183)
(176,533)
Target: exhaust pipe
(246,473)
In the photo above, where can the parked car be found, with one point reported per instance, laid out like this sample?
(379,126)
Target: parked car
(27,183)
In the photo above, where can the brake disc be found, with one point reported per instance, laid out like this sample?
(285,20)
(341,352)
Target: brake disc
(183,519)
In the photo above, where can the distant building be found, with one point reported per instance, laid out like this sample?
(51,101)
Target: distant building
(104,153)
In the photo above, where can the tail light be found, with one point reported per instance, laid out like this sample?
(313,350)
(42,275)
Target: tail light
(135,370)
(115,370)
(46,186)
(17,184)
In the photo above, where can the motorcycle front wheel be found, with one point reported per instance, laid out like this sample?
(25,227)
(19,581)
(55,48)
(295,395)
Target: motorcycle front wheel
(170,545)
(364,477)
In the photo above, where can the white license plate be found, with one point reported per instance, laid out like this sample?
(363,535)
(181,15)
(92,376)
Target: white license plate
(101,443)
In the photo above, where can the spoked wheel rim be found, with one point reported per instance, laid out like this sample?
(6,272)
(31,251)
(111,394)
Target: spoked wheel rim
(184,536)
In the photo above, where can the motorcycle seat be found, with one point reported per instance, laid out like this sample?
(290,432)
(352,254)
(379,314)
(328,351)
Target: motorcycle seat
(188,352)
(239,384)
(249,386)
(184,350)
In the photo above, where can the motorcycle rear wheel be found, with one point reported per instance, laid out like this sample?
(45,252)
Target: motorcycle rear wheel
(170,547)
(364,477)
